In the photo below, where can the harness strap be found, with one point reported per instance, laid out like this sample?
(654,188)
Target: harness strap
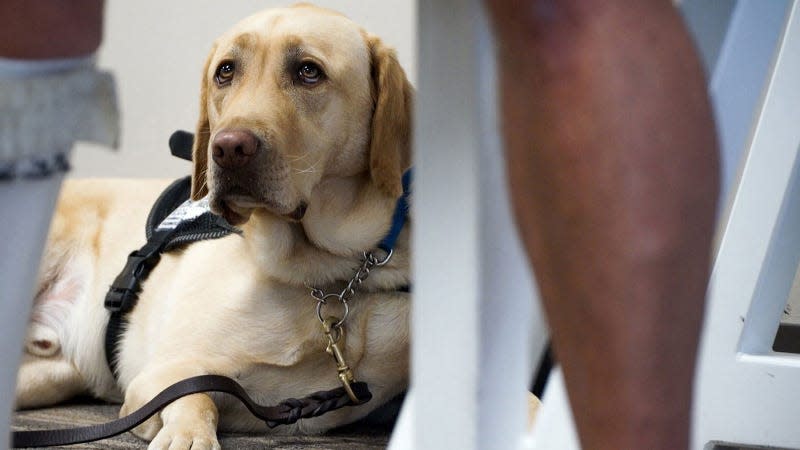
(124,291)
(172,222)
(286,412)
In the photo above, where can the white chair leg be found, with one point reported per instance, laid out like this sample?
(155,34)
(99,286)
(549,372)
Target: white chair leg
(474,302)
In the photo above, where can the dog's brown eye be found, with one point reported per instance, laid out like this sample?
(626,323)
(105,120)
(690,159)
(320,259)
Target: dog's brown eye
(224,73)
(310,73)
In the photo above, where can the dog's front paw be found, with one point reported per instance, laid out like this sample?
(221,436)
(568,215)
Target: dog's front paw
(188,423)
(177,436)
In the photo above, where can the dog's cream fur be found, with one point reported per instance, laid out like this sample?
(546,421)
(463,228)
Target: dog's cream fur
(240,306)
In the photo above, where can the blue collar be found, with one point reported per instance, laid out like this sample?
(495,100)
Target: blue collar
(399,216)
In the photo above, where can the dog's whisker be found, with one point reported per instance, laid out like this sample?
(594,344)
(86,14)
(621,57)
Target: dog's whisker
(310,169)
(203,173)
(297,158)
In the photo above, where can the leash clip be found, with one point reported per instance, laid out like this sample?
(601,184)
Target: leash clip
(333,334)
(334,326)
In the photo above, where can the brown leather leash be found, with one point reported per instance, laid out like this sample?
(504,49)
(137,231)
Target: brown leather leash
(286,412)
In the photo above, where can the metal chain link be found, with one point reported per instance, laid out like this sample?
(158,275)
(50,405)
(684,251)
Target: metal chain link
(368,262)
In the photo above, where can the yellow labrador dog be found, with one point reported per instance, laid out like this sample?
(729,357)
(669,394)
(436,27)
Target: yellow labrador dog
(302,141)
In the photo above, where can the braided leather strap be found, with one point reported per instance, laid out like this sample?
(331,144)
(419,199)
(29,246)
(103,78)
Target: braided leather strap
(287,412)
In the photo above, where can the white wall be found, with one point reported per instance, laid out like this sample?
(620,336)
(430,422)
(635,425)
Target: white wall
(156,50)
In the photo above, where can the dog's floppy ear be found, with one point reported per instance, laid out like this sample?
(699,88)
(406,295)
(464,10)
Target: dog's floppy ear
(201,137)
(390,145)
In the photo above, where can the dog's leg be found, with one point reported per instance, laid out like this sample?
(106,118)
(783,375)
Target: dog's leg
(189,422)
(46,381)
(47,376)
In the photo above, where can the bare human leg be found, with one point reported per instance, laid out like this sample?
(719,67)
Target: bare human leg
(612,160)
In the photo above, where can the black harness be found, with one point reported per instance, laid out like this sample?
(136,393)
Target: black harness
(173,222)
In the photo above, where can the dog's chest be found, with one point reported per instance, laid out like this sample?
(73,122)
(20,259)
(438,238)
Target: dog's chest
(220,308)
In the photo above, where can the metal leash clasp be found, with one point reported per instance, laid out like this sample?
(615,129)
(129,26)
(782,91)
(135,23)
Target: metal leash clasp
(334,333)
(334,326)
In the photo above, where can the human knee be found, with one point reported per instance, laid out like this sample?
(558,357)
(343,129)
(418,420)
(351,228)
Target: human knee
(46,29)
(551,23)
(538,18)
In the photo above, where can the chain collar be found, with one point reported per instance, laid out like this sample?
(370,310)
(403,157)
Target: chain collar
(333,327)
(368,262)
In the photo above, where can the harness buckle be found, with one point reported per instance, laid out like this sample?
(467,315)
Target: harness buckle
(120,301)
(124,291)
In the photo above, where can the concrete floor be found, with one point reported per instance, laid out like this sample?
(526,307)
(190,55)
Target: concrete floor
(88,412)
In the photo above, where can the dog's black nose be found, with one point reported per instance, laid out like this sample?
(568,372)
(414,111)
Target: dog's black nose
(234,148)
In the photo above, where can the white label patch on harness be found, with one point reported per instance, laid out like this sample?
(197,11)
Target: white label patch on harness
(189,210)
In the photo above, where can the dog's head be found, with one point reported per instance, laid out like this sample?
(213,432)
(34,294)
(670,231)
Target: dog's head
(291,97)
